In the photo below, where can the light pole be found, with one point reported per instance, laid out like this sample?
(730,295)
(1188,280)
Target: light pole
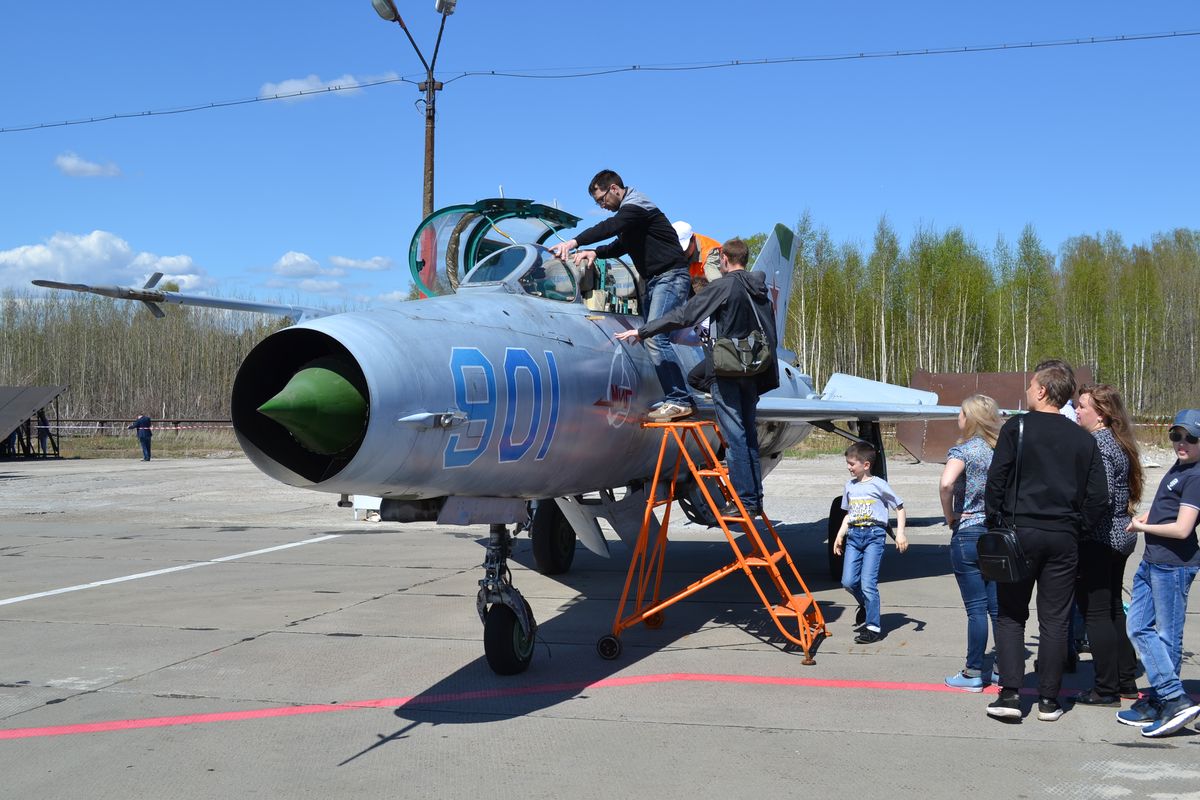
(387,10)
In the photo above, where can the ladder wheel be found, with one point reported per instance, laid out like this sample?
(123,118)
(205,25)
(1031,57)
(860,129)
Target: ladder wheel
(609,647)
(654,621)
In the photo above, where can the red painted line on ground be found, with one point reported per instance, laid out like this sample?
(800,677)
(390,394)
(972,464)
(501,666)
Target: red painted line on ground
(481,694)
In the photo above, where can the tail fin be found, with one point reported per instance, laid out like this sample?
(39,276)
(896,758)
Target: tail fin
(775,260)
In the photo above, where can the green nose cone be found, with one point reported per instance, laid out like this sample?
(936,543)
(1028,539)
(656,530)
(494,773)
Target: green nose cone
(320,408)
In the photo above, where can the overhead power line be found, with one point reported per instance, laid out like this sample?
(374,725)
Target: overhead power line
(561,73)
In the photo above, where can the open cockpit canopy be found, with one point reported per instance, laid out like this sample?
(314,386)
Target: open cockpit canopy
(451,241)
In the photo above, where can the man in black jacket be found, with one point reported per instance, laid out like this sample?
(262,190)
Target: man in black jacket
(1060,491)
(644,234)
(738,304)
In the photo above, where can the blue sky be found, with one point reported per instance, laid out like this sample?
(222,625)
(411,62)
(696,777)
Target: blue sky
(316,199)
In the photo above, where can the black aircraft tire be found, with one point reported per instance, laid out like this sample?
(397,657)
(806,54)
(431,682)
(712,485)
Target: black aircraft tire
(507,649)
(836,515)
(553,539)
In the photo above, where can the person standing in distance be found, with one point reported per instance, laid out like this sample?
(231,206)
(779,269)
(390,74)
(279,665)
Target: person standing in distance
(143,427)
(643,233)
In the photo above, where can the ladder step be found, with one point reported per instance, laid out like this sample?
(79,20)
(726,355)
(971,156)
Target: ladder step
(759,561)
(796,608)
(711,473)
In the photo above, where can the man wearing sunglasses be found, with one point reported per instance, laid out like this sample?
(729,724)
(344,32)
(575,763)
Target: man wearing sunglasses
(643,233)
(1160,586)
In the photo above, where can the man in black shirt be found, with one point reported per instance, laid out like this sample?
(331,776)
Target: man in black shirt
(1061,490)
(643,233)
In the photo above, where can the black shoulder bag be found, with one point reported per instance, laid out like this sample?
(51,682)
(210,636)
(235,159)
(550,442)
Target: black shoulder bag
(744,357)
(1001,558)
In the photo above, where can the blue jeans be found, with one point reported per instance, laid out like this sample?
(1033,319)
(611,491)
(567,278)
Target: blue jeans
(665,293)
(145,443)
(1155,618)
(860,570)
(736,403)
(978,595)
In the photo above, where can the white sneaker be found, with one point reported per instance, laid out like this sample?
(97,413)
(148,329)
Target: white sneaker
(669,411)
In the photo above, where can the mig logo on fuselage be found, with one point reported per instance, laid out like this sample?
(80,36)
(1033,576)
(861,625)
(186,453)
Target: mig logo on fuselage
(622,387)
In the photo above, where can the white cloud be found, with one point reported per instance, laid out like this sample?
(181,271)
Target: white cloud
(296,265)
(98,257)
(312,85)
(394,297)
(375,264)
(293,264)
(74,166)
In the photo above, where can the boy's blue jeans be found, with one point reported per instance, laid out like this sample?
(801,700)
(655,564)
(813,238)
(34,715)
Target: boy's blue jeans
(978,595)
(860,570)
(1155,623)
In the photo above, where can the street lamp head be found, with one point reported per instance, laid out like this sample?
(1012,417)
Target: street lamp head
(445,6)
(386,9)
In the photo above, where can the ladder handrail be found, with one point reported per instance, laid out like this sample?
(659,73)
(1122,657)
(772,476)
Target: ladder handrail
(647,561)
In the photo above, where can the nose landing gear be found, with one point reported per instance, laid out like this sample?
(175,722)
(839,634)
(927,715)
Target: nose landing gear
(509,629)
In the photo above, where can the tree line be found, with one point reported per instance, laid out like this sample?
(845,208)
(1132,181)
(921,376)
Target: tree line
(119,360)
(945,304)
(941,303)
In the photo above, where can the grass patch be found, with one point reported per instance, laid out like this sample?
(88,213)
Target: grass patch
(220,443)
(823,443)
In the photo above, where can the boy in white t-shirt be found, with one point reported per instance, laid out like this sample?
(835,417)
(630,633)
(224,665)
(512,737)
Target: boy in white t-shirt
(866,499)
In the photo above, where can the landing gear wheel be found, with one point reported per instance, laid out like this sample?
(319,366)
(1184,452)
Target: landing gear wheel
(507,649)
(654,621)
(553,539)
(609,647)
(836,515)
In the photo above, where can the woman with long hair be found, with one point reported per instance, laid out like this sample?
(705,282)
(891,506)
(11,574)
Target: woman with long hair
(961,490)
(1103,551)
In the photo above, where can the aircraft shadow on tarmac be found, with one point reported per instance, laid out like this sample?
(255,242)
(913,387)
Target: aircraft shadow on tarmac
(566,663)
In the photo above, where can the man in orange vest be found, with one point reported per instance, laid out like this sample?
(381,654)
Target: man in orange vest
(703,254)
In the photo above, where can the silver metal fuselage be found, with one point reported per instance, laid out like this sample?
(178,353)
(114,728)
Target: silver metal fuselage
(492,393)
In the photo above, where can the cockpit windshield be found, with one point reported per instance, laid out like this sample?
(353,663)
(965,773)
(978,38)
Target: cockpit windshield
(451,241)
(533,269)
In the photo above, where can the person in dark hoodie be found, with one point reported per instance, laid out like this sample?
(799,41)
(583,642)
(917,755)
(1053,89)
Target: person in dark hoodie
(730,301)
(144,428)
(1061,491)
(644,234)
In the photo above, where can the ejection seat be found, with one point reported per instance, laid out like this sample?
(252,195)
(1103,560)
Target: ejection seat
(610,285)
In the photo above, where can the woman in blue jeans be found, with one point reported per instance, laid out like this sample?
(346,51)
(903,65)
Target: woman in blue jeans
(961,490)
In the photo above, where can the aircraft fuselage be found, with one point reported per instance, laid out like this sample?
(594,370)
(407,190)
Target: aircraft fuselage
(482,393)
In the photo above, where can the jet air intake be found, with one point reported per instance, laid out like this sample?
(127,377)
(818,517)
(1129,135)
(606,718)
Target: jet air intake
(320,407)
(300,406)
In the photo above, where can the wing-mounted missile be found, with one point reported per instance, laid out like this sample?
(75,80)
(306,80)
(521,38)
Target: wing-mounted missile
(152,298)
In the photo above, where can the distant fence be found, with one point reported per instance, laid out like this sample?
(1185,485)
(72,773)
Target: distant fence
(114,427)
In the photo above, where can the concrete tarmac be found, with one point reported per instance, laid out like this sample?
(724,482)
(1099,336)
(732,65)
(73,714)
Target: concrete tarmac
(191,629)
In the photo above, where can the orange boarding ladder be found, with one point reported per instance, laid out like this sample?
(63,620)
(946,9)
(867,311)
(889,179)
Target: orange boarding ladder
(796,614)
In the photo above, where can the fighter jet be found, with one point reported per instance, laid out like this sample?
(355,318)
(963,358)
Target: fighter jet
(502,398)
